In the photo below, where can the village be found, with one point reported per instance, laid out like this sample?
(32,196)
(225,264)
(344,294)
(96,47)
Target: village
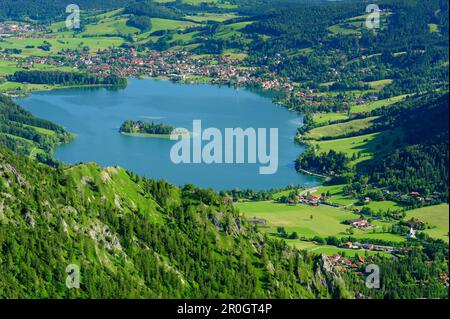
(127,61)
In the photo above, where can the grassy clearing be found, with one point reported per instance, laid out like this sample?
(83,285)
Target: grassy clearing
(329,250)
(363,108)
(340,129)
(326,221)
(8,67)
(218,17)
(41,130)
(354,25)
(235,55)
(281,194)
(110,26)
(24,87)
(326,118)
(337,195)
(437,216)
(31,46)
(367,146)
(343,29)
(167,25)
(384,206)
(217,3)
(379,85)
(228,31)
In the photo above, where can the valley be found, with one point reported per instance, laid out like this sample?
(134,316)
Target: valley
(362,115)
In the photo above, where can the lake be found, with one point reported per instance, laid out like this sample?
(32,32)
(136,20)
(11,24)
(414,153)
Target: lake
(95,116)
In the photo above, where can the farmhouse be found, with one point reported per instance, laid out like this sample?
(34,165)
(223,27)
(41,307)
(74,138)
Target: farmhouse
(417,224)
(359,223)
(350,245)
(257,221)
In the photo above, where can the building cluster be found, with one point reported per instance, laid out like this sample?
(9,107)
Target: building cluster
(371,247)
(412,196)
(359,223)
(309,199)
(179,66)
(344,264)
(22,30)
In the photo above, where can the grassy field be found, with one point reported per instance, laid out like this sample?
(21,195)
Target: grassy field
(110,26)
(384,206)
(329,250)
(343,29)
(24,87)
(165,24)
(377,104)
(379,85)
(366,145)
(436,216)
(31,46)
(227,31)
(326,220)
(8,67)
(337,194)
(218,3)
(309,222)
(326,118)
(218,17)
(354,25)
(340,129)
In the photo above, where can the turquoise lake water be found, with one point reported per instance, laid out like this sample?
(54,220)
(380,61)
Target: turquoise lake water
(95,116)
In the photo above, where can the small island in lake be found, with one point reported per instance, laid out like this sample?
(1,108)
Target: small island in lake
(145,129)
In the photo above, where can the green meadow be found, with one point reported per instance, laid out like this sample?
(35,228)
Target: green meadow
(340,129)
(325,118)
(329,250)
(218,17)
(436,216)
(110,26)
(367,146)
(336,194)
(364,108)
(379,85)
(31,46)
(384,206)
(307,221)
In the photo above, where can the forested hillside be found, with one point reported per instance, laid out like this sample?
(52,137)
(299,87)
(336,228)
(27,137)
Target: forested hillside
(25,134)
(137,238)
(375,108)
(423,161)
(50,10)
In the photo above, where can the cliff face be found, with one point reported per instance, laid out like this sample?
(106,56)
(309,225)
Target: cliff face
(135,238)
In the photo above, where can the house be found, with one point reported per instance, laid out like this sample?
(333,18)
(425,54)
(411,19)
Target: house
(314,197)
(359,223)
(416,224)
(412,233)
(257,221)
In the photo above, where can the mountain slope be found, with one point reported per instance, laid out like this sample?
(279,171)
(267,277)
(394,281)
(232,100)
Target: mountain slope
(136,238)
